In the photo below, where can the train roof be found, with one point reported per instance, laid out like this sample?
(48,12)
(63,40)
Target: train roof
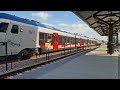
(31,22)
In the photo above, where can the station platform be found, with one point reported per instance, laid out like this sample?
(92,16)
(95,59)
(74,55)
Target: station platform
(96,64)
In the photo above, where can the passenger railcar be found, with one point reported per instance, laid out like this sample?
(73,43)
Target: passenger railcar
(27,37)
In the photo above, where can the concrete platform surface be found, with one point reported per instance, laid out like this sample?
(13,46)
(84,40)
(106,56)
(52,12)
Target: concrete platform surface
(96,64)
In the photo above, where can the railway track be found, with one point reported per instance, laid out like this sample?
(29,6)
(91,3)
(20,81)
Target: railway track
(41,60)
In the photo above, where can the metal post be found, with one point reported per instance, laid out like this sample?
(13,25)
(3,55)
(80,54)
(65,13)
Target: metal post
(70,49)
(48,53)
(87,43)
(6,56)
(77,49)
(11,60)
(110,40)
(70,45)
(64,47)
(36,57)
(61,52)
(117,41)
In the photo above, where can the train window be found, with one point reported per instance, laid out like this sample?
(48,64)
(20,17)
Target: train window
(41,41)
(64,39)
(60,39)
(83,41)
(3,27)
(73,40)
(42,35)
(49,36)
(68,39)
(14,29)
(46,37)
(78,40)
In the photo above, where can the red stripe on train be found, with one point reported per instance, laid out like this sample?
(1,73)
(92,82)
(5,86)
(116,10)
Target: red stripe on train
(43,45)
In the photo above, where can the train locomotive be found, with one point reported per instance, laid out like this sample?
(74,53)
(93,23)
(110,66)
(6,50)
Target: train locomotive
(27,37)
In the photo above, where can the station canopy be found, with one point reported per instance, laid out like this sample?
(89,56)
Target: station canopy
(100,20)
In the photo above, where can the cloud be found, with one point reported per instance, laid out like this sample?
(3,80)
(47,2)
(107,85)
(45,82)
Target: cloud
(63,24)
(78,28)
(103,38)
(48,24)
(81,28)
(43,15)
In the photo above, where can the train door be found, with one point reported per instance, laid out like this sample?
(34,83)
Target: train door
(13,39)
(80,42)
(55,41)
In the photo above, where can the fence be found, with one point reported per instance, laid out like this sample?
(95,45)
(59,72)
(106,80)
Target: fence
(13,64)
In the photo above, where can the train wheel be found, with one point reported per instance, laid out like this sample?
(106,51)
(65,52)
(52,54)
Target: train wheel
(23,54)
(40,51)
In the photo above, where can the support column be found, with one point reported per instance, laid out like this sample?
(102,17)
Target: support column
(110,40)
(117,41)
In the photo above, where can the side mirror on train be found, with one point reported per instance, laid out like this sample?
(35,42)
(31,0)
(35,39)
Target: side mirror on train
(21,30)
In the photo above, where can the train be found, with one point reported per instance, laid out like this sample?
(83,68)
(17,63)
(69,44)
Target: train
(27,37)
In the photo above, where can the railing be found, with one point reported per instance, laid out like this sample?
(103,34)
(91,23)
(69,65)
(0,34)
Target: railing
(12,63)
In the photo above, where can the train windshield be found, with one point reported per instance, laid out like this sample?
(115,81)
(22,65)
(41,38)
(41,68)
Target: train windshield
(3,27)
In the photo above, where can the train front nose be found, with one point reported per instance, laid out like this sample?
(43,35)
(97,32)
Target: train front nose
(2,37)
(2,49)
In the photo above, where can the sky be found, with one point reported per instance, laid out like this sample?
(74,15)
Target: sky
(64,20)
